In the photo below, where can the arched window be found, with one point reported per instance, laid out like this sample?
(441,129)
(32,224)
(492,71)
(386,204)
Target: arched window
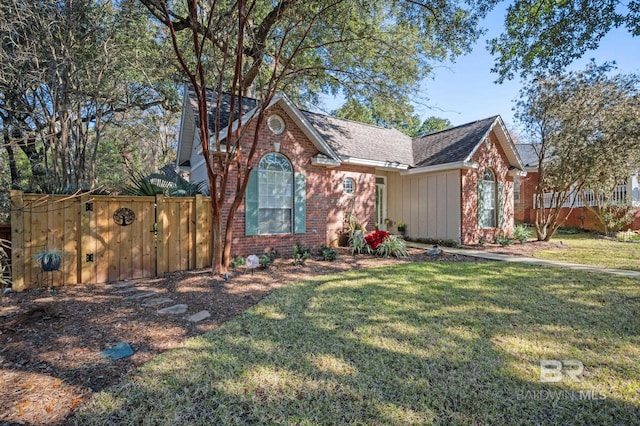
(487,200)
(275,189)
(348,185)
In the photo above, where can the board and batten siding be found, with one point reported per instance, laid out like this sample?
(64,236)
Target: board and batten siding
(428,203)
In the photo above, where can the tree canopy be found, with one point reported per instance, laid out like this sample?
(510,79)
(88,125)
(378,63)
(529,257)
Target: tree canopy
(364,49)
(70,71)
(585,127)
(397,115)
(546,36)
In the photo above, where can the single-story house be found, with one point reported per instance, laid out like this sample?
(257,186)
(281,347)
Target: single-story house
(580,217)
(313,171)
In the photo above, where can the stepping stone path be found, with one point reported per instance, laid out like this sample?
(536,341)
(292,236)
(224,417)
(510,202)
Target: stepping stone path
(122,284)
(128,290)
(142,295)
(156,301)
(199,316)
(174,310)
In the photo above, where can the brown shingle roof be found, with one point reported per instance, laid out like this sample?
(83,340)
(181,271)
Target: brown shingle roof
(364,141)
(451,145)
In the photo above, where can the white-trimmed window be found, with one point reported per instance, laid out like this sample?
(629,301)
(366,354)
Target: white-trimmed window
(275,189)
(516,189)
(348,185)
(487,200)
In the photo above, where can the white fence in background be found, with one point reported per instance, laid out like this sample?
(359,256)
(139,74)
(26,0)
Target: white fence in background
(588,198)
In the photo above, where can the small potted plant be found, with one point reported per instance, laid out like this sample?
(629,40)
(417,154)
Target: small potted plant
(49,259)
(402,227)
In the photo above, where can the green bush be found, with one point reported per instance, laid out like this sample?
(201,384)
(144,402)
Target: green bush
(237,261)
(521,233)
(300,254)
(392,246)
(504,240)
(434,241)
(268,258)
(328,254)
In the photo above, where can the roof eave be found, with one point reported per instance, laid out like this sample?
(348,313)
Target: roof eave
(324,161)
(380,165)
(442,167)
(513,172)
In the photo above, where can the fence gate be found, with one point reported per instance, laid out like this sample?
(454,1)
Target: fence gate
(104,238)
(118,238)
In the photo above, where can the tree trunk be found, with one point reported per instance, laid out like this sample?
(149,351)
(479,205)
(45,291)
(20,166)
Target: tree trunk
(13,168)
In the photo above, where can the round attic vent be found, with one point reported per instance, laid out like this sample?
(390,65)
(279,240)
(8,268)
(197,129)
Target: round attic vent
(275,124)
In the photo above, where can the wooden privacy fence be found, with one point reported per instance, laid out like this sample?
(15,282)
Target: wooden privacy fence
(107,238)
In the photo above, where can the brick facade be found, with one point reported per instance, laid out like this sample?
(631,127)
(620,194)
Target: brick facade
(326,202)
(487,155)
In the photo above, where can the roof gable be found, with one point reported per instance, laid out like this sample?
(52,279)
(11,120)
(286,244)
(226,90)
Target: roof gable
(452,145)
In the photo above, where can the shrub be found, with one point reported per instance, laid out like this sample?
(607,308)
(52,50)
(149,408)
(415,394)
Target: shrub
(521,233)
(393,245)
(268,258)
(504,240)
(358,244)
(237,261)
(434,241)
(328,254)
(300,254)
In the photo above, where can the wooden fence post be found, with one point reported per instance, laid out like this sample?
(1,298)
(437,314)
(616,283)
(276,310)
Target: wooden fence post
(161,222)
(86,269)
(199,237)
(17,241)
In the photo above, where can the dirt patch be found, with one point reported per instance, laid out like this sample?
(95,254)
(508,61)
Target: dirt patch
(517,249)
(50,345)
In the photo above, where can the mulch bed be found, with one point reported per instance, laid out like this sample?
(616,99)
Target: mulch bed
(50,345)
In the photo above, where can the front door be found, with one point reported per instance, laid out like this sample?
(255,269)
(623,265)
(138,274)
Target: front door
(381,202)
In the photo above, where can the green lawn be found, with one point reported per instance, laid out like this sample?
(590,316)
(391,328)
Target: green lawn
(590,249)
(430,343)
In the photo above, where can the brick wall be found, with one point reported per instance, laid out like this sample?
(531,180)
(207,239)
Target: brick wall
(492,156)
(523,211)
(326,201)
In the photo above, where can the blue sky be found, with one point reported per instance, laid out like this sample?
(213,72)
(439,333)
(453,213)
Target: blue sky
(465,91)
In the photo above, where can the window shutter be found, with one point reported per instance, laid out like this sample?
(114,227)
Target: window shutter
(300,204)
(481,207)
(251,205)
(500,204)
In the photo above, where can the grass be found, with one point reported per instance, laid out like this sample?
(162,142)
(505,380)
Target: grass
(590,249)
(431,343)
